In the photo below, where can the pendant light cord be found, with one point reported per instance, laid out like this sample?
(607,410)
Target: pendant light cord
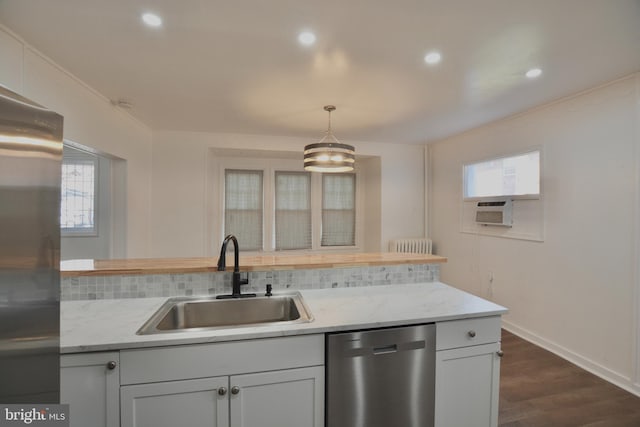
(329,109)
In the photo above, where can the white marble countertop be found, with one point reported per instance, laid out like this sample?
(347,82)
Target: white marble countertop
(101,325)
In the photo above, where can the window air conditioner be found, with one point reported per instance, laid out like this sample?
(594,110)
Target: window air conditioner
(498,212)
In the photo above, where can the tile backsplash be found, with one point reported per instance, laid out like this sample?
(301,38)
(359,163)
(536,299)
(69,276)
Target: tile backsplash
(199,284)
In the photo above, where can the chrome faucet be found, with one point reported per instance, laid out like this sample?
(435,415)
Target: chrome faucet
(222,266)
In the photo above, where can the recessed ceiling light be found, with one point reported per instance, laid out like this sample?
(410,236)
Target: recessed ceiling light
(432,58)
(152,19)
(533,73)
(306,38)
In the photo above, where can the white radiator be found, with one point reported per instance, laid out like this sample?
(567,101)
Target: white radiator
(420,245)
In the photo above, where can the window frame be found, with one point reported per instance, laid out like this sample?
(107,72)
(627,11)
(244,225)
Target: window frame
(269,165)
(84,157)
(505,196)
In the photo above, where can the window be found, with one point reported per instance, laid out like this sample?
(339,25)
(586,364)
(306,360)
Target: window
(270,208)
(78,192)
(517,176)
(243,203)
(338,210)
(293,210)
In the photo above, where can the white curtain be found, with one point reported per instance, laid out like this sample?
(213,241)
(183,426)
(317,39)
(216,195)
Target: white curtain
(338,210)
(243,202)
(293,210)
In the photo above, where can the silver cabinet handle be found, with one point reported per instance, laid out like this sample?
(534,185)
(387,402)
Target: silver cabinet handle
(111,365)
(222,391)
(500,353)
(471,334)
(235,389)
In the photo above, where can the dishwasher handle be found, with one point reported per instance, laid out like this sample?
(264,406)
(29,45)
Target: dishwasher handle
(383,349)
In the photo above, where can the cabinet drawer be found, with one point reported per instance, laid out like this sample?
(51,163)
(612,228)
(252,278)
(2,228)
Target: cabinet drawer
(228,358)
(466,332)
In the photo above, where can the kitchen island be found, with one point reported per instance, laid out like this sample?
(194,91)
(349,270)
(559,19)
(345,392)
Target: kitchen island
(258,375)
(140,379)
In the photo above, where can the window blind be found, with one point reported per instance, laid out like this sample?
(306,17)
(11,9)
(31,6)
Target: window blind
(243,206)
(338,210)
(293,210)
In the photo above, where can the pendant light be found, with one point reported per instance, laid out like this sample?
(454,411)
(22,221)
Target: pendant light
(329,155)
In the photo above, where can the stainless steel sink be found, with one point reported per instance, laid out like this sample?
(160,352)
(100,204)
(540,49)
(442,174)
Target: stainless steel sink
(194,314)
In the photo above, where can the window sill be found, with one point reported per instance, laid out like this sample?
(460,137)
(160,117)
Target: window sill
(64,233)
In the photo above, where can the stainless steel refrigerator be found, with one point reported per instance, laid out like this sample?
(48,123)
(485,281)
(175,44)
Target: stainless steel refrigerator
(30,167)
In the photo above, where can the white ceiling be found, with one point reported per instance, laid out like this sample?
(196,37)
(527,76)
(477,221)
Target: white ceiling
(236,66)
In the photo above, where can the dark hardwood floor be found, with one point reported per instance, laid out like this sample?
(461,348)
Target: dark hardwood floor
(540,389)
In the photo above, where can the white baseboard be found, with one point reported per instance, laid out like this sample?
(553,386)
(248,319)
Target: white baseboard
(606,374)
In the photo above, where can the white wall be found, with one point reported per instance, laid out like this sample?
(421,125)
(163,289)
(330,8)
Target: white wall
(574,291)
(11,52)
(89,119)
(179,210)
(373,206)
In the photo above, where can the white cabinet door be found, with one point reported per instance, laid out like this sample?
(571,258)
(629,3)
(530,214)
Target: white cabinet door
(90,384)
(467,386)
(287,398)
(193,403)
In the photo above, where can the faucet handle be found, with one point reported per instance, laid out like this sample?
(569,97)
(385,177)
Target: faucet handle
(244,281)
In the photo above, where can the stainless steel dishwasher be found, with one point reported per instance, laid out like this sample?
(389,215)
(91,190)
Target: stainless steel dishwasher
(381,378)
